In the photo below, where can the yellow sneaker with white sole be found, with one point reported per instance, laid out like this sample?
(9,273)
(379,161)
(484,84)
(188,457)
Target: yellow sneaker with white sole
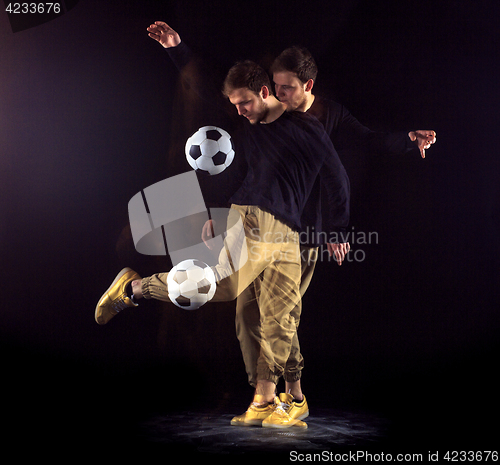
(287,413)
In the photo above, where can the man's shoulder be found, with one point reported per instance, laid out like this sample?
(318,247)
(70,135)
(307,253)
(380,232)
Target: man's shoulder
(305,128)
(302,116)
(303,120)
(325,104)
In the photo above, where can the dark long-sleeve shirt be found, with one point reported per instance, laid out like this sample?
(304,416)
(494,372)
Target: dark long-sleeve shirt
(287,160)
(346,132)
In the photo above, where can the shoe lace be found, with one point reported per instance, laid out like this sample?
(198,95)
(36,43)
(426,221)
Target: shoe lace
(119,304)
(282,408)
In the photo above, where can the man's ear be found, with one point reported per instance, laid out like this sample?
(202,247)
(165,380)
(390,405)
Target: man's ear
(309,85)
(264,91)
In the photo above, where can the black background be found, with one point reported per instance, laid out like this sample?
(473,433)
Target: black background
(89,115)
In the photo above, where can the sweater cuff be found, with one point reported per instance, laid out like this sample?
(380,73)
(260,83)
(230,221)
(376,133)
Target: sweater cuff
(338,236)
(180,55)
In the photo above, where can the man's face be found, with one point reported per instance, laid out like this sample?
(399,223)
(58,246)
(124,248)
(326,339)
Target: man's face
(249,104)
(290,90)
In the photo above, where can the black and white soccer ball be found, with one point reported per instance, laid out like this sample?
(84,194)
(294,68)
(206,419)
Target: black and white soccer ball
(210,150)
(191,284)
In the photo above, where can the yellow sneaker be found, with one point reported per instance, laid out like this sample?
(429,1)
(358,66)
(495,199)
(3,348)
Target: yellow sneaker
(115,298)
(254,415)
(287,413)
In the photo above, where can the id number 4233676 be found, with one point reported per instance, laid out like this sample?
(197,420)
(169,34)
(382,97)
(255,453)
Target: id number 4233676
(38,7)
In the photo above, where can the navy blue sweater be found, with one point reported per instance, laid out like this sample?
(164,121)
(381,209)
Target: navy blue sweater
(285,158)
(284,163)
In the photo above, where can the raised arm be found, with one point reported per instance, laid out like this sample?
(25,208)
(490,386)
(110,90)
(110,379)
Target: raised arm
(201,74)
(164,34)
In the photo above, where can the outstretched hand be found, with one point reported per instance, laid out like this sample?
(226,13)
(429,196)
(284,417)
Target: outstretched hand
(423,139)
(164,34)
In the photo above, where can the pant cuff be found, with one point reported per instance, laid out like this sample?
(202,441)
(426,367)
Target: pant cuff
(145,288)
(268,376)
(292,377)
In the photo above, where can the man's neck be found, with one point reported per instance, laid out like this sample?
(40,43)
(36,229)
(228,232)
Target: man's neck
(276,109)
(309,101)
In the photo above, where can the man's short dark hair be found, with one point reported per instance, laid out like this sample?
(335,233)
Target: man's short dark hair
(297,60)
(246,74)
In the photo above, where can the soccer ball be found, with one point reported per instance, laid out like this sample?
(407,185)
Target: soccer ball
(191,284)
(210,150)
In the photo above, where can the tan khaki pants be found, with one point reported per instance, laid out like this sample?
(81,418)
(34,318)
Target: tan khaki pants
(248,322)
(268,250)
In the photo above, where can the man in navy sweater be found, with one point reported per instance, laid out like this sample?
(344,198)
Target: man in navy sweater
(286,153)
(294,73)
